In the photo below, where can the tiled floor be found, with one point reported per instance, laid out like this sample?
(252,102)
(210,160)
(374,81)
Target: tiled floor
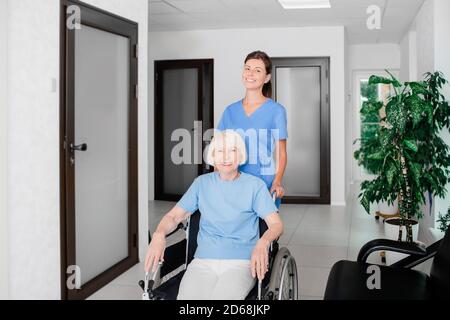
(317,236)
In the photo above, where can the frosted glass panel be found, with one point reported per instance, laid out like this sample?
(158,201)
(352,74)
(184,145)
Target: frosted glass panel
(298,89)
(101,121)
(180,111)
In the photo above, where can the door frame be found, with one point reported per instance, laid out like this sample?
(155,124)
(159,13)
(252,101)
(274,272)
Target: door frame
(324,64)
(112,23)
(160,66)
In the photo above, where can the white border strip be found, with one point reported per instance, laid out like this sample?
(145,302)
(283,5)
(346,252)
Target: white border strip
(3,150)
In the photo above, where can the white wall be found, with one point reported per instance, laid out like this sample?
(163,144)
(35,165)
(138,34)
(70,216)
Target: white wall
(33,159)
(424,25)
(404,53)
(408,49)
(374,56)
(425,28)
(229,48)
(3,151)
(431,46)
(348,119)
(33,142)
(442,63)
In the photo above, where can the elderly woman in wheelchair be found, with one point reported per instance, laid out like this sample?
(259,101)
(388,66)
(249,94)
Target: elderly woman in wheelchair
(232,247)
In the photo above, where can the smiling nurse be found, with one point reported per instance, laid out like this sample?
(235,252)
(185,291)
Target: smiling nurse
(262,122)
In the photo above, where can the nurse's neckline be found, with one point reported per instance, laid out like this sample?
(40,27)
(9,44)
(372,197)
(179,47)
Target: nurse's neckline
(251,114)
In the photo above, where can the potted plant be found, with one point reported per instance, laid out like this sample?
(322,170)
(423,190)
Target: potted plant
(371,113)
(407,154)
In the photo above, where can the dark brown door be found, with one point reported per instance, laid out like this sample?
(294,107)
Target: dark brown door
(302,86)
(99,197)
(183,115)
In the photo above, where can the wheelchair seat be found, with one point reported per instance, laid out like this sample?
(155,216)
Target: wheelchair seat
(169,289)
(348,279)
(282,268)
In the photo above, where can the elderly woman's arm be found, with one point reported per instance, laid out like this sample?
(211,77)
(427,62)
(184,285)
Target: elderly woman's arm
(260,256)
(169,222)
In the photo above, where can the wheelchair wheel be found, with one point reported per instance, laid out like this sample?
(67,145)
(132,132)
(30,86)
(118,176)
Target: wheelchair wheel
(289,281)
(284,278)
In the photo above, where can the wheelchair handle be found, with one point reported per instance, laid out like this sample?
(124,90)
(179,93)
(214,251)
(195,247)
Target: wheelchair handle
(274,196)
(259,289)
(149,283)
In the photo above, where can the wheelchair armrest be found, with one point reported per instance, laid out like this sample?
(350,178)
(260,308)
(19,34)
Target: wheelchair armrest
(412,261)
(390,245)
(179,227)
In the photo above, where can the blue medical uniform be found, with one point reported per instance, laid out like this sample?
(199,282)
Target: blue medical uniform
(261,130)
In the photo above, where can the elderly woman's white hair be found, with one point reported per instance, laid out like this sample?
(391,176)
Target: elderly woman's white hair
(230,137)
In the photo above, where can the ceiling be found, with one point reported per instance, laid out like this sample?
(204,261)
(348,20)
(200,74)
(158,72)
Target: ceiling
(397,16)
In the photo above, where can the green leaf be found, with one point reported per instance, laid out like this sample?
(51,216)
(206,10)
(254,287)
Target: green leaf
(383,80)
(428,109)
(418,87)
(416,171)
(365,203)
(390,174)
(411,145)
(396,116)
(417,107)
(376,156)
(371,108)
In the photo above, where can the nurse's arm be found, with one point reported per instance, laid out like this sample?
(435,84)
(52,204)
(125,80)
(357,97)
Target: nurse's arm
(281,159)
(281,163)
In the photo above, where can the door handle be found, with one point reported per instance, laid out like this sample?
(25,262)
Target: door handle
(82,147)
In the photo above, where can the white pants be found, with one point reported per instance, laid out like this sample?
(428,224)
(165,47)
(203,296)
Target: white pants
(216,280)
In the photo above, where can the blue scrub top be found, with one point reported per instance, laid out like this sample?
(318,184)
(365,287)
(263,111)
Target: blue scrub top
(260,131)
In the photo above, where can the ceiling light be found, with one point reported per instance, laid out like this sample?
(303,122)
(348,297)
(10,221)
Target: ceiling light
(305,4)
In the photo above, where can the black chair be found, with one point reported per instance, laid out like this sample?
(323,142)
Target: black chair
(348,280)
(281,282)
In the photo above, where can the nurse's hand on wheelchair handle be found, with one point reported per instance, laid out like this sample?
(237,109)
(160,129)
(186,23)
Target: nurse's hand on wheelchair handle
(278,189)
(155,252)
(260,259)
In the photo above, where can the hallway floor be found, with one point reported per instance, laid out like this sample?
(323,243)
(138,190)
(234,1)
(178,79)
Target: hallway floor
(317,235)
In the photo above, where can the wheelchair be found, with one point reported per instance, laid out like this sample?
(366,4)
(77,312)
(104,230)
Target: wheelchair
(348,279)
(280,282)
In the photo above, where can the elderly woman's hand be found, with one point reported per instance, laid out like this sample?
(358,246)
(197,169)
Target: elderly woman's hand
(155,252)
(260,259)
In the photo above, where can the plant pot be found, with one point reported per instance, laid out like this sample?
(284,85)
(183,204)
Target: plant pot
(391,230)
